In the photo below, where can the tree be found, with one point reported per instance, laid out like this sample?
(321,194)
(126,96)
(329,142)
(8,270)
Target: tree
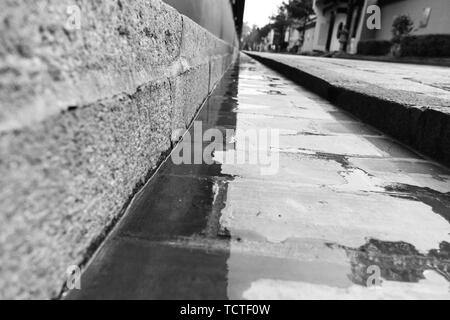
(401,27)
(253,37)
(299,10)
(250,38)
(264,31)
(246,30)
(293,11)
(280,22)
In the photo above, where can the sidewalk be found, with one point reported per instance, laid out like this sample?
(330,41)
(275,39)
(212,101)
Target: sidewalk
(442,62)
(409,102)
(344,200)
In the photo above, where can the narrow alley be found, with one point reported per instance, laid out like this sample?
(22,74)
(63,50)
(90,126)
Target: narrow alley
(349,214)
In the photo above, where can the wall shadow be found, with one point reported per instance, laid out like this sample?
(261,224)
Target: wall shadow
(170,245)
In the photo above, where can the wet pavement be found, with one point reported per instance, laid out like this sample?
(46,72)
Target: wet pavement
(346,203)
(410,84)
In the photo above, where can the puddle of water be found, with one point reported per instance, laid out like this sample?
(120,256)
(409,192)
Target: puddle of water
(438,201)
(433,287)
(188,234)
(248,106)
(180,201)
(397,261)
(275,92)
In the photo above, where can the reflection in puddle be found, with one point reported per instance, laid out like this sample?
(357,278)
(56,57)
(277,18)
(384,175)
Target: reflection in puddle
(275,93)
(397,261)
(432,287)
(404,274)
(246,270)
(146,256)
(438,201)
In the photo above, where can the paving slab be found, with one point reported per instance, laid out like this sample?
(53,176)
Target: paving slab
(345,198)
(409,102)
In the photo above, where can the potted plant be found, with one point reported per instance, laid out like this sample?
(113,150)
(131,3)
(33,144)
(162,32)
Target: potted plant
(401,27)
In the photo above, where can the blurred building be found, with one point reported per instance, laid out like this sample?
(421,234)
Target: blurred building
(429,16)
(269,42)
(300,35)
(333,16)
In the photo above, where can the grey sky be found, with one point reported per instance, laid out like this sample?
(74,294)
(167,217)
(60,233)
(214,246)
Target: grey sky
(258,11)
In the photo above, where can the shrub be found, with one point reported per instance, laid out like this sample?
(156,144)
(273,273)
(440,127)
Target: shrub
(433,45)
(374,47)
(401,27)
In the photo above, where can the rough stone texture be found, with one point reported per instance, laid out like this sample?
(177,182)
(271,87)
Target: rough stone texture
(46,67)
(68,177)
(191,88)
(411,103)
(216,70)
(85,117)
(345,197)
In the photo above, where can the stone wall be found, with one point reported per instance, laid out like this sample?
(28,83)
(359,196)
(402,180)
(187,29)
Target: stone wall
(86,115)
(215,16)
